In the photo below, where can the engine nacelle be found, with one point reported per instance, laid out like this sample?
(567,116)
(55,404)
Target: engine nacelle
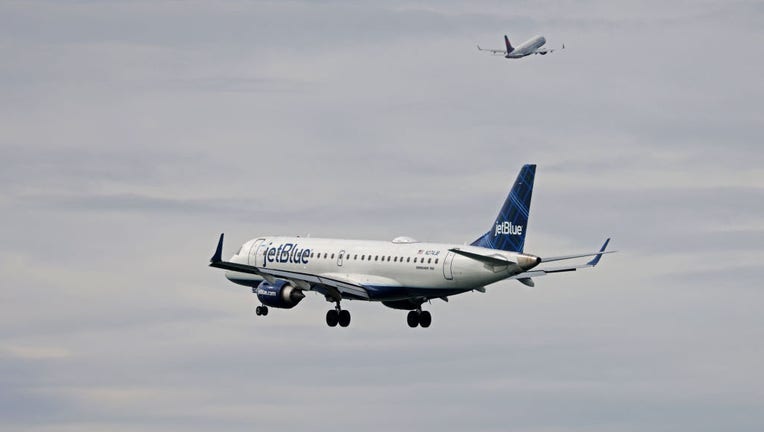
(280,294)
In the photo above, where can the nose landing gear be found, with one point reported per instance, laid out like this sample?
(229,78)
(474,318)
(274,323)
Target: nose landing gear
(261,310)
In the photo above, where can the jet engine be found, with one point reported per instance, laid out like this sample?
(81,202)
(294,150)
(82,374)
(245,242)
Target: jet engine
(280,294)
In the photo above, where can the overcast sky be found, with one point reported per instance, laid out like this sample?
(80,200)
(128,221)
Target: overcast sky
(132,134)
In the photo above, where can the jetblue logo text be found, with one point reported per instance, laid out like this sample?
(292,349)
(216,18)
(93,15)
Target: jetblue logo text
(286,253)
(507,227)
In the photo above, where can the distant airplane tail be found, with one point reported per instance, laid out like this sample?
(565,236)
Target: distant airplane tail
(508,231)
(509,45)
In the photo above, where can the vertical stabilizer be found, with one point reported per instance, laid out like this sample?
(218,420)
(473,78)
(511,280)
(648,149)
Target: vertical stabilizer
(509,228)
(509,45)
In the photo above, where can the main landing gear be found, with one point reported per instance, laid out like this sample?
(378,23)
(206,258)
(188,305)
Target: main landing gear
(261,310)
(419,318)
(338,316)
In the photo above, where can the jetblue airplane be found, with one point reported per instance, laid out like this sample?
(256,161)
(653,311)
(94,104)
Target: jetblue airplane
(531,46)
(402,274)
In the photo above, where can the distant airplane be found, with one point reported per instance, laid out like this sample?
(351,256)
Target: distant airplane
(402,274)
(531,46)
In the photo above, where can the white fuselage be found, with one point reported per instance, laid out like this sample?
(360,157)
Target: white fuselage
(527,48)
(388,270)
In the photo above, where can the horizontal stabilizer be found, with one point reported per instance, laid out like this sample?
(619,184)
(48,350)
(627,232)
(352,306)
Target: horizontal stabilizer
(596,255)
(522,277)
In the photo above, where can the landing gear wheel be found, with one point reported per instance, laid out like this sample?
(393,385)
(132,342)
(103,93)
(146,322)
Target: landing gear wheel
(344,318)
(264,310)
(258,311)
(425,319)
(332,318)
(413,319)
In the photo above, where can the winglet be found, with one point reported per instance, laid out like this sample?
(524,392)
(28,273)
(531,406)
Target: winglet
(218,252)
(597,257)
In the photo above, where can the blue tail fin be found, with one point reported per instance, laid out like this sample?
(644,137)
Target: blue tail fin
(508,231)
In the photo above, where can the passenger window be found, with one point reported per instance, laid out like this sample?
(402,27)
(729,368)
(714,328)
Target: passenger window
(376,257)
(436,260)
(408,259)
(395,259)
(325,254)
(355,257)
(332,256)
(429,260)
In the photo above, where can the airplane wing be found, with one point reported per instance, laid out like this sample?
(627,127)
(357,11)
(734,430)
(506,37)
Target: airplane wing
(492,51)
(525,277)
(330,285)
(327,284)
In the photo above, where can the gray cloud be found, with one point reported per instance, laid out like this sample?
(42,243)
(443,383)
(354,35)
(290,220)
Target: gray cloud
(134,133)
